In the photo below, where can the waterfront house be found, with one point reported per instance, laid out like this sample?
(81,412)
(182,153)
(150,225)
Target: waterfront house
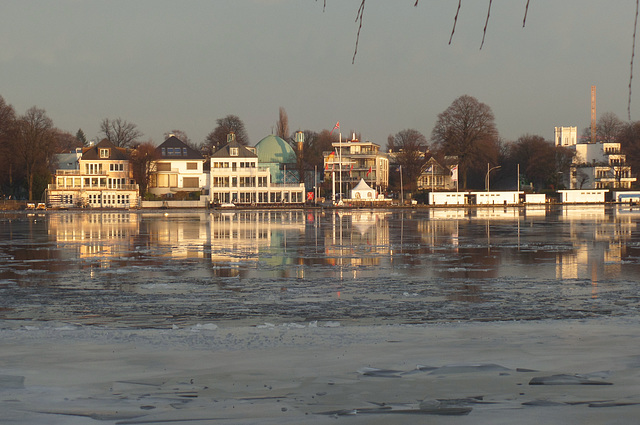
(238,178)
(102,179)
(179,169)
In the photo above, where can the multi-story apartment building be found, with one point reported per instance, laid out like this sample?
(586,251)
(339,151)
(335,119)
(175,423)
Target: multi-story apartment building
(353,160)
(600,166)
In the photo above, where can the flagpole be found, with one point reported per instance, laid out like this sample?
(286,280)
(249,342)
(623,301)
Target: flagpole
(401,188)
(340,164)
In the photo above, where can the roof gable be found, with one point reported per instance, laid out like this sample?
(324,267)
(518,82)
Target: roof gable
(225,151)
(175,149)
(104,151)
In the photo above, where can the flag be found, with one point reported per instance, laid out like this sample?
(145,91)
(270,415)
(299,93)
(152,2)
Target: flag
(454,173)
(350,170)
(368,172)
(331,155)
(326,168)
(336,126)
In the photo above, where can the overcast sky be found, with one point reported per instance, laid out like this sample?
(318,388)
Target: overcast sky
(167,65)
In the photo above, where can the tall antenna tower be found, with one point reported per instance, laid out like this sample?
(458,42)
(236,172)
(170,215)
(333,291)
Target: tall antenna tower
(593,114)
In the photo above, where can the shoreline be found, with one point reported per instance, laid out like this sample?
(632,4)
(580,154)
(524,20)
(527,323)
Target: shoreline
(22,208)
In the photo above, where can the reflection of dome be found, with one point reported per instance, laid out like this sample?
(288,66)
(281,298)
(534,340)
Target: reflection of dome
(273,149)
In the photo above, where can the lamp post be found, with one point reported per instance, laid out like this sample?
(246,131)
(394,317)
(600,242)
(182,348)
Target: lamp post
(486,178)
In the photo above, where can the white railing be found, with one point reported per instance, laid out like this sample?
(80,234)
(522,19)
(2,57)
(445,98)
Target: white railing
(53,186)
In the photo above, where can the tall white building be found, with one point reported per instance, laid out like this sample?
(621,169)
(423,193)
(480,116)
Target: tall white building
(566,136)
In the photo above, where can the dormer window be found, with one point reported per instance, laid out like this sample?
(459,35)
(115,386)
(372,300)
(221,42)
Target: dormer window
(233,151)
(104,153)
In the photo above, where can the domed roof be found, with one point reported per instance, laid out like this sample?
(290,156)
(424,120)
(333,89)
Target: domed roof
(276,150)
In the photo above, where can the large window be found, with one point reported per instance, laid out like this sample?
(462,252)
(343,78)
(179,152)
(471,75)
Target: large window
(164,166)
(191,182)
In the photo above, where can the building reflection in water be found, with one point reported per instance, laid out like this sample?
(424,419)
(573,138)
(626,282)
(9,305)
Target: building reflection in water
(94,235)
(599,238)
(460,245)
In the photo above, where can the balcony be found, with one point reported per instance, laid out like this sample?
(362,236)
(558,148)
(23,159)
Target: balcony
(122,187)
(81,173)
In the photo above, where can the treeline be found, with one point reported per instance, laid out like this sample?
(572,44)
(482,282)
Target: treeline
(465,134)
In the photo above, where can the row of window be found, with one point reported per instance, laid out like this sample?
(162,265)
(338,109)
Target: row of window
(234,165)
(174,151)
(77,182)
(91,168)
(260,197)
(239,182)
(109,199)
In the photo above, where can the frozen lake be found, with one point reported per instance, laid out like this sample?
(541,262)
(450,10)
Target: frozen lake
(472,317)
(164,268)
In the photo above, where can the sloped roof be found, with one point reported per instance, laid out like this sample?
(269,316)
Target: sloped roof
(362,186)
(115,153)
(275,150)
(224,152)
(173,142)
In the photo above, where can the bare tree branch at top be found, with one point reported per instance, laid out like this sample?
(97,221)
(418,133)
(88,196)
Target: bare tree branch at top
(358,17)
(633,51)
(120,132)
(484,32)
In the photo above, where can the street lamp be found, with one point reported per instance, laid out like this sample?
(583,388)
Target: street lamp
(486,177)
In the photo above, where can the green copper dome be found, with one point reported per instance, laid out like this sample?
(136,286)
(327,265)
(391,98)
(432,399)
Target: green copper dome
(273,149)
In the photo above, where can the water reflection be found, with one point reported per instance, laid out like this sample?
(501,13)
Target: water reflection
(410,265)
(590,243)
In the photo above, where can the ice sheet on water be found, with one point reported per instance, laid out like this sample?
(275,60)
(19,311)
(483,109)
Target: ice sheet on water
(204,327)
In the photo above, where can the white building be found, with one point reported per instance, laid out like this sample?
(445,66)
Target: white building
(496,198)
(447,198)
(179,168)
(236,177)
(566,136)
(582,196)
(600,166)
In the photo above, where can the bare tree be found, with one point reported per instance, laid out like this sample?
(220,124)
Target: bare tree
(467,129)
(218,137)
(143,162)
(35,144)
(409,147)
(540,161)
(608,127)
(120,132)
(282,125)
(65,141)
(629,138)
(7,152)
